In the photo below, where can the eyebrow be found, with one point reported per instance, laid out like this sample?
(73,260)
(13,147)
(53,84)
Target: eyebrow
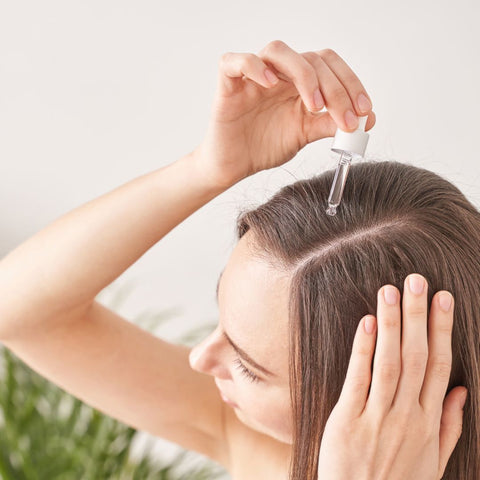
(239,350)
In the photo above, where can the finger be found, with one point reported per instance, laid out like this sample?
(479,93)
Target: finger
(386,364)
(297,69)
(338,101)
(349,80)
(439,363)
(357,380)
(450,426)
(371,121)
(322,125)
(235,66)
(414,340)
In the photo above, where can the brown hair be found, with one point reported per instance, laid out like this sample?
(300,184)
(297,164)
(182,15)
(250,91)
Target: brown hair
(394,219)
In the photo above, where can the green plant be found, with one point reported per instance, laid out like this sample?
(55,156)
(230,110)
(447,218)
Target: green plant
(48,434)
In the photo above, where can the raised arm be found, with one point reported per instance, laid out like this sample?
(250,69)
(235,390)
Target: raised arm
(57,273)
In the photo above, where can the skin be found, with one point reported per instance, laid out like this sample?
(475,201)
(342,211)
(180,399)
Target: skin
(252,301)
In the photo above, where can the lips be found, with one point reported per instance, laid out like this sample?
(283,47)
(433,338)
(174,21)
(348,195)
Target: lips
(225,398)
(227,401)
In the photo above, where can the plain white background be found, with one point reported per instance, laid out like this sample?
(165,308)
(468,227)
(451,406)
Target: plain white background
(96,93)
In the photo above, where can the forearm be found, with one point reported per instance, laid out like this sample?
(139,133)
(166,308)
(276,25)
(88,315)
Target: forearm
(66,264)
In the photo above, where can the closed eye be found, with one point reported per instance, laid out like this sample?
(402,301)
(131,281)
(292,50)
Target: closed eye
(246,372)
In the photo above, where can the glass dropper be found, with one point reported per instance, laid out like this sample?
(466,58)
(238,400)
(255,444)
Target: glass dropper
(338,184)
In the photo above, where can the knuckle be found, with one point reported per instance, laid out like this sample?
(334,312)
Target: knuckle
(405,421)
(275,46)
(442,366)
(310,56)
(350,78)
(306,74)
(391,322)
(328,53)
(388,372)
(225,57)
(424,430)
(364,351)
(402,415)
(337,94)
(249,57)
(444,328)
(359,382)
(416,311)
(415,361)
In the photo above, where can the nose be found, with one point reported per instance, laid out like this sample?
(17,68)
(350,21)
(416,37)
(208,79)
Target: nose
(208,357)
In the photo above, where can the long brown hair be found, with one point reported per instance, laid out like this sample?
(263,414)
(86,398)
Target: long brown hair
(394,219)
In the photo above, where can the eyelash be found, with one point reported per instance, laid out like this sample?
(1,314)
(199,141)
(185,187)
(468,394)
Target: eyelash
(250,375)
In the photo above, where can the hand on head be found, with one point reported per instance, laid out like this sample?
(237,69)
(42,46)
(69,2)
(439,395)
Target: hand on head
(404,427)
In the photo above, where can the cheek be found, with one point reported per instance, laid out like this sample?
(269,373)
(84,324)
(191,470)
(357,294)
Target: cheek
(267,411)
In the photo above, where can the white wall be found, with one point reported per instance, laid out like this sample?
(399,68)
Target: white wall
(95,93)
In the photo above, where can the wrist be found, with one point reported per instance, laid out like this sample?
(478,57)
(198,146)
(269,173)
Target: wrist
(212,178)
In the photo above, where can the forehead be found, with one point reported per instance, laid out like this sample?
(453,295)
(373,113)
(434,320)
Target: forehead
(253,307)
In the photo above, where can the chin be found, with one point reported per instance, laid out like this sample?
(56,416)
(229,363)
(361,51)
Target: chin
(287,440)
(282,438)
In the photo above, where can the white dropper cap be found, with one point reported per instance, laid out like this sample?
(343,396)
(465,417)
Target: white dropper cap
(353,142)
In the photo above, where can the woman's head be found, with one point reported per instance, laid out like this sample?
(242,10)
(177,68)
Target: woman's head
(394,219)
(248,351)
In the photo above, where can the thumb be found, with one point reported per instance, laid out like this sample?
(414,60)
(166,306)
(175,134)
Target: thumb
(451,424)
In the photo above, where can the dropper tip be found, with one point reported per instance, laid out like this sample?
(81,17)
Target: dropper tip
(331,211)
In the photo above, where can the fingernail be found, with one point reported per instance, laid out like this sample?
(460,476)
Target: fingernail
(390,294)
(318,99)
(364,103)
(416,284)
(463,399)
(351,119)
(445,301)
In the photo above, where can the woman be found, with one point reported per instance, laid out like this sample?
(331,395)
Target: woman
(280,298)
